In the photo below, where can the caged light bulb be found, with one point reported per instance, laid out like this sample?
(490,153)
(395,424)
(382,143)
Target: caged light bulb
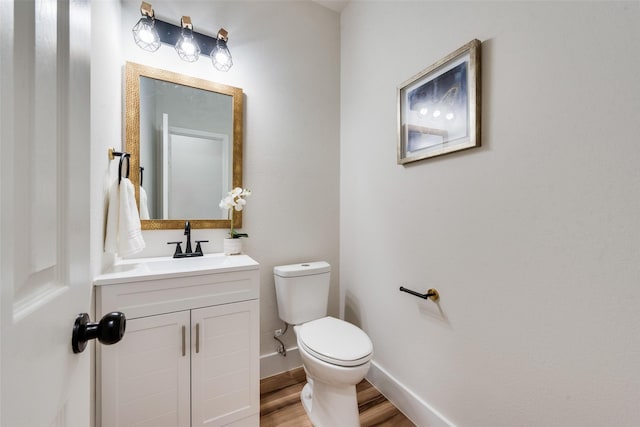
(145,34)
(221,57)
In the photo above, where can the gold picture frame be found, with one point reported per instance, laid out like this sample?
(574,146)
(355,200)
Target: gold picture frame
(439,108)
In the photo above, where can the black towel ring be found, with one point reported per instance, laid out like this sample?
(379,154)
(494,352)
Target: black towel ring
(122,157)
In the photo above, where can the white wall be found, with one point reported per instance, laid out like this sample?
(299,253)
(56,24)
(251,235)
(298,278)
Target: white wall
(106,119)
(106,131)
(286,59)
(532,240)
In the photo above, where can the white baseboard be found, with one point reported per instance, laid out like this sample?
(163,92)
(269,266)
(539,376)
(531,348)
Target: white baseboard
(416,409)
(274,363)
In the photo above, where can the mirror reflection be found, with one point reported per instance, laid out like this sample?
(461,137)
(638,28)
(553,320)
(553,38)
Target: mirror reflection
(185,134)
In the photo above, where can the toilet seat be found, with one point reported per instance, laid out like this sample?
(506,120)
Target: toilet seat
(336,341)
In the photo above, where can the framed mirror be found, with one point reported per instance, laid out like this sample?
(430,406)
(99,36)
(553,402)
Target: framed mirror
(184,135)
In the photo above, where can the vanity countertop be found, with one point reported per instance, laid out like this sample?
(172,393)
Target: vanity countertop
(141,269)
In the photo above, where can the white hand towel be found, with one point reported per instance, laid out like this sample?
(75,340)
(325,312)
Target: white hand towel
(144,207)
(130,239)
(113,211)
(124,234)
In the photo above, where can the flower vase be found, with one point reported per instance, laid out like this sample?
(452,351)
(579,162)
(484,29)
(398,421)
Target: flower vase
(232,246)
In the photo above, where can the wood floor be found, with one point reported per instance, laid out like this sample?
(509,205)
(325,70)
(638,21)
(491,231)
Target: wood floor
(280,404)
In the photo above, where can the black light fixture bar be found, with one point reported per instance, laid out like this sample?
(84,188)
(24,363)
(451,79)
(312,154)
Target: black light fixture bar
(169,35)
(149,33)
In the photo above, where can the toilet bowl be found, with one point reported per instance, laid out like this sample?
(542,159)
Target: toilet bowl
(335,354)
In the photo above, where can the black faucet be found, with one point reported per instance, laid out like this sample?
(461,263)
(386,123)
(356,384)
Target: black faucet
(188,252)
(187,232)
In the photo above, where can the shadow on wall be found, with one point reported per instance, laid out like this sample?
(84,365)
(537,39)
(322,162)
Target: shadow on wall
(352,310)
(434,311)
(426,308)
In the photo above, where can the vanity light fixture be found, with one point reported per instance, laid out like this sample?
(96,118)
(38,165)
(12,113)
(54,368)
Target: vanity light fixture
(150,32)
(144,32)
(186,46)
(220,55)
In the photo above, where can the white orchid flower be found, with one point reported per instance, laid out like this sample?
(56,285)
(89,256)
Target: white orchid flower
(227,203)
(235,199)
(240,204)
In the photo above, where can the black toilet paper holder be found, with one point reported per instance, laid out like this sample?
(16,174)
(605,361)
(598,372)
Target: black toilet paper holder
(431,294)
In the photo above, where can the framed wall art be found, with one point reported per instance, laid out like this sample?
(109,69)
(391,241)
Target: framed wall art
(439,109)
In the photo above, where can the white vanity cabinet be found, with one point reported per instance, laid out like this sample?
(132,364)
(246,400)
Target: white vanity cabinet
(190,353)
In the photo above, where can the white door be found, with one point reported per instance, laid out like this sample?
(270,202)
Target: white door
(145,379)
(44,227)
(225,363)
(198,173)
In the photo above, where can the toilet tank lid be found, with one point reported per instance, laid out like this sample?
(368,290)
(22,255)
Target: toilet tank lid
(302,269)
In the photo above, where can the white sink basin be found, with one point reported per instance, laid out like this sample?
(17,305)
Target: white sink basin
(132,270)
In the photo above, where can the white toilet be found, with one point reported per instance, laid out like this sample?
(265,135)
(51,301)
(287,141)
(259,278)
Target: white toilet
(336,355)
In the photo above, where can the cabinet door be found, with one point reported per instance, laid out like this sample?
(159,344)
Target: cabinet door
(225,363)
(145,378)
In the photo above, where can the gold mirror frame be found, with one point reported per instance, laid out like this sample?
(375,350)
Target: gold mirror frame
(133,73)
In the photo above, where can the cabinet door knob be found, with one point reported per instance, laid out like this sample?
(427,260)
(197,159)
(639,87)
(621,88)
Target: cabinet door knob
(108,331)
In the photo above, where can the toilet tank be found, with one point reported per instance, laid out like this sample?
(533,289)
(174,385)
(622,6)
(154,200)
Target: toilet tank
(302,291)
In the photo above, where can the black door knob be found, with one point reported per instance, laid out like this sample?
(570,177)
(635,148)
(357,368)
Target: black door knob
(108,331)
